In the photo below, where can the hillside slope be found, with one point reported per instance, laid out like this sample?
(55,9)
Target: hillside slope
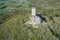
(15,29)
(14,14)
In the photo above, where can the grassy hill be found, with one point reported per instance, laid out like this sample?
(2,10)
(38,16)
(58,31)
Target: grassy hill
(15,29)
(14,14)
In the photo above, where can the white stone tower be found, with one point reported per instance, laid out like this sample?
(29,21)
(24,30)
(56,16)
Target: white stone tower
(35,19)
(33,11)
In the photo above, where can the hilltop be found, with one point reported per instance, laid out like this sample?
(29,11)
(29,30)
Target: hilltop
(14,14)
(15,29)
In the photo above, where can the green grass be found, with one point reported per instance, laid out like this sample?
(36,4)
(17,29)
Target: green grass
(15,28)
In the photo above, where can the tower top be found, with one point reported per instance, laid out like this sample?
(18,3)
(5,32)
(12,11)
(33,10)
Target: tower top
(33,11)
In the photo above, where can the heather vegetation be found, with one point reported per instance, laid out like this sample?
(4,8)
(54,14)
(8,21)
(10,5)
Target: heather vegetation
(14,14)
